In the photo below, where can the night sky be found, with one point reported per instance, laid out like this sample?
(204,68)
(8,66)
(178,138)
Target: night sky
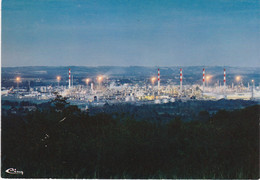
(131,32)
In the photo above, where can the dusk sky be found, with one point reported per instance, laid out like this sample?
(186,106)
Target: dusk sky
(131,32)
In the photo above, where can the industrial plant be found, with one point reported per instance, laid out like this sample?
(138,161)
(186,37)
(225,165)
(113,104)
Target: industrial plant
(100,90)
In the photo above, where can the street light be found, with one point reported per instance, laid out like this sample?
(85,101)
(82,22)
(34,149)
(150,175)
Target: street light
(153,80)
(238,79)
(18,79)
(99,78)
(58,79)
(208,77)
(87,81)
(253,82)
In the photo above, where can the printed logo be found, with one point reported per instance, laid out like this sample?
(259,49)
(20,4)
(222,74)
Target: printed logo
(13,171)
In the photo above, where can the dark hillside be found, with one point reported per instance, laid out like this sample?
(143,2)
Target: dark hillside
(62,142)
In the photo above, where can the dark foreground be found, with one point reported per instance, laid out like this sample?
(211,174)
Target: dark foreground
(62,142)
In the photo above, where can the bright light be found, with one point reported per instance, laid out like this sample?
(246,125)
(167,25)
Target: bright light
(208,77)
(153,79)
(87,80)
(252,80)
(100,78)
(58,78)
(238,78)
(18,79)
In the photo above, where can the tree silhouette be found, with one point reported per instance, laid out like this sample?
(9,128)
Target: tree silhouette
(60,102)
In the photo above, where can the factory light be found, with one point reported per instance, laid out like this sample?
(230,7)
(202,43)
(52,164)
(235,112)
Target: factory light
(238,78)
(100,78)
(208,77)
(58,79)
(87,81)
(153,79)
(18,79)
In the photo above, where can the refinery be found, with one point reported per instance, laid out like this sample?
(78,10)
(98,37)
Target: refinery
(101,90)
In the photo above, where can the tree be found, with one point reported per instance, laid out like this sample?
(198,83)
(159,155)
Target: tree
(60,103)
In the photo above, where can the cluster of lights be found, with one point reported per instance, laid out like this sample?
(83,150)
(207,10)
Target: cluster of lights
(153,79)
(87,80)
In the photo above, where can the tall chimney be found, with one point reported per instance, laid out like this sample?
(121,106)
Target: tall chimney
(203,80)
(225,82)
(158,81)
(181,80)
(69,77)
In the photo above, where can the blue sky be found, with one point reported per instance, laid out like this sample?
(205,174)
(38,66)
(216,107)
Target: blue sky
(130,32)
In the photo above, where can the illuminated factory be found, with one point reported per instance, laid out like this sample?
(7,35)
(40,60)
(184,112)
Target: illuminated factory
(101,90)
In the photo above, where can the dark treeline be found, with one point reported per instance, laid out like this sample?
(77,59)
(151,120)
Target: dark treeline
(63,142)
(188,111)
